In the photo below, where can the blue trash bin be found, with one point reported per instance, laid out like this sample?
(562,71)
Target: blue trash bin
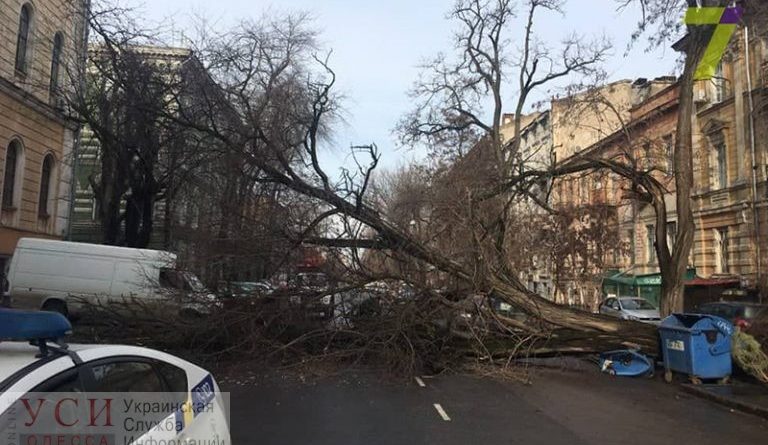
(698,345)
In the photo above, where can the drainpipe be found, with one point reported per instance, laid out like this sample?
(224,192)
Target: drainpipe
(755,214)
(73,184)
(81,69)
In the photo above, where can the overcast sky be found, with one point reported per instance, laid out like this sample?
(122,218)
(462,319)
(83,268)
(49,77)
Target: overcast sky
(378,45)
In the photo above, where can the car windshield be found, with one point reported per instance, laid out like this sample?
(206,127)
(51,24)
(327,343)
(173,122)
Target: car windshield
(244,287)
(634,304)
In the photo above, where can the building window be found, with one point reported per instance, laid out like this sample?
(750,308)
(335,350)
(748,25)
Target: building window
(720,84)
(649,243)
(22,38)
(647,154)
(9,179)
(43,207)
(58,46)
(721,250)
(669,152)
(671,234)
(721,164)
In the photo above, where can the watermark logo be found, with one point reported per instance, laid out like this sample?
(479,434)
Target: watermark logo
(726,20)
(115,419)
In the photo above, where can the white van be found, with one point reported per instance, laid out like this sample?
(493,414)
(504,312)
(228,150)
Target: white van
(59,276)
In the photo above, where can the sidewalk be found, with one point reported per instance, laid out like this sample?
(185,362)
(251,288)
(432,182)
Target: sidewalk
(747,397)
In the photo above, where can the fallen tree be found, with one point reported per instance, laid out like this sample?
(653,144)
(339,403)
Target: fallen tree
(274,105)
(279,108)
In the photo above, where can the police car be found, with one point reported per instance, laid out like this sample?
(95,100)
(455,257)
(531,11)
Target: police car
(52,393)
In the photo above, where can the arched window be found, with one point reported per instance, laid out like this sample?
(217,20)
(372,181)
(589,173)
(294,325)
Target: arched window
(22,39)
(43,209)
(58,46)
(9,180)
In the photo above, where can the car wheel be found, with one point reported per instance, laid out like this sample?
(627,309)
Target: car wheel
(56,306)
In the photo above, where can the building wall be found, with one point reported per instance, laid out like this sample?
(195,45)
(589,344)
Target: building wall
(48,18)
(580,120)
(29,116)
(536,153)
(722,119)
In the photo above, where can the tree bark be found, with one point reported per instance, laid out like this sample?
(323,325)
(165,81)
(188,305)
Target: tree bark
(673,277)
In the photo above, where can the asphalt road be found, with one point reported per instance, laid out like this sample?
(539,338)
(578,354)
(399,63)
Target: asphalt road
(558,408)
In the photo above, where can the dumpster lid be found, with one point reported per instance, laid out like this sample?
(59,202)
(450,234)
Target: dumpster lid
(694,322)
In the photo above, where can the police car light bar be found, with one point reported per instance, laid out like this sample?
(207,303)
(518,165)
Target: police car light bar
(37,327)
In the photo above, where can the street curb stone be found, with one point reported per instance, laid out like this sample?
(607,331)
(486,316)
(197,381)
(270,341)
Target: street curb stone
(749,408)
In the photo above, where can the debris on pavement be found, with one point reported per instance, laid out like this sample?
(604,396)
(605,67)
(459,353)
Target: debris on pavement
(626,362)
(749,356)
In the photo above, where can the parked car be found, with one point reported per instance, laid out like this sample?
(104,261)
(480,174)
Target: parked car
(62,276)
(630,308)
(243,294)
(741,314)
(308,296)
(244,289)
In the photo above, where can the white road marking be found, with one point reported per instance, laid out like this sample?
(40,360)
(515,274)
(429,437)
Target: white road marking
(442,412)
(420,382)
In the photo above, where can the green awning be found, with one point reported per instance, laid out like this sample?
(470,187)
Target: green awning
(620,278)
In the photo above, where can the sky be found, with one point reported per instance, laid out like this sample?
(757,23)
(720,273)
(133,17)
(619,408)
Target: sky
(377,47)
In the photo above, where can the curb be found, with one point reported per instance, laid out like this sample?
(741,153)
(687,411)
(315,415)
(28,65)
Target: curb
(748,408)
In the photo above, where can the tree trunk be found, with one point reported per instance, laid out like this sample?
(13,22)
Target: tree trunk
(673,277)
(108,192)
(139,218)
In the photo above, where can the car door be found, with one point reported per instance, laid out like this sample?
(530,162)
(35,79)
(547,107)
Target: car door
(605,308)
(612,307)
(142,401)
(616,307)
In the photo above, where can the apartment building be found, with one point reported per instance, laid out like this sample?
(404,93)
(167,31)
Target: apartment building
(730,155)
(730,196)
(41,49)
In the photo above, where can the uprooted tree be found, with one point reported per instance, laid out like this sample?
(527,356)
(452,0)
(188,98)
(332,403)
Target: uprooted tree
(275,105)
(281,95)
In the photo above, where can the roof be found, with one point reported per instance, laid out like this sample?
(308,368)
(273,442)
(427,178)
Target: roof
(698,281)
(153,51)
(15,356)
(93,249)
(734,303)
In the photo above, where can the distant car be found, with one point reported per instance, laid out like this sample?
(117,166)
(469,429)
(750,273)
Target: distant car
(741,314)
(241,289)
(630,308)
(243,294)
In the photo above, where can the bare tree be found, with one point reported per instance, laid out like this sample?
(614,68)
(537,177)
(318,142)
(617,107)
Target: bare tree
(450,104)
(127,92)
